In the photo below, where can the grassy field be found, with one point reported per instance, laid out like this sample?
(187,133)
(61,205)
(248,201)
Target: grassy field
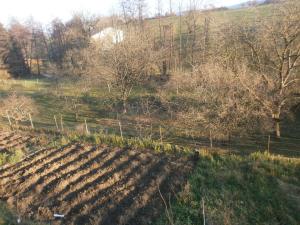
(217,18)
(256,189)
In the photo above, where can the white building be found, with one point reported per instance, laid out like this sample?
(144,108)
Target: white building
(109,36)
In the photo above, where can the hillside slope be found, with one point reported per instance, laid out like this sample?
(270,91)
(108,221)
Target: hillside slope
(255,189)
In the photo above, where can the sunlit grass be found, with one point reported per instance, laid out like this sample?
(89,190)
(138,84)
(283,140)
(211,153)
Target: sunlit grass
(256,189)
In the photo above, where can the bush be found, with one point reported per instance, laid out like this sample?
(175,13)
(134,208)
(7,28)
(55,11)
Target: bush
(15,156)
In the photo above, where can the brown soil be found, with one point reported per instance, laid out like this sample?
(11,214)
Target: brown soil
(10,141)
(92,184)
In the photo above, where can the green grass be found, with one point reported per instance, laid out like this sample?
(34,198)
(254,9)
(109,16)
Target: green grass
(255,189)
(117,141)
(101,109)
(9,217)
(218,18)
(14,156)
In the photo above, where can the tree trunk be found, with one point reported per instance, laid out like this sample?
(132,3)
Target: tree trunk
(277,128)
(124,106)
(38,66)
(276,118)
(164,69)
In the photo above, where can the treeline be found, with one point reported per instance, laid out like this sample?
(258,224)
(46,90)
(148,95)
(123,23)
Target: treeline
(26,47)
(234,76)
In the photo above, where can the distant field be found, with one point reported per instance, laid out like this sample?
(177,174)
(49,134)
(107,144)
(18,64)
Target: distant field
(217,18)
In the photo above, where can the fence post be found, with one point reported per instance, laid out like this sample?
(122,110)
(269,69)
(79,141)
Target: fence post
(108,85)
(61,123)
(86,127)
(210,139)
(269,140)
(203,211)
(31,121)
(229,139)
(10,124)
(160,134)
(56,123)
(121,132)
(151,131)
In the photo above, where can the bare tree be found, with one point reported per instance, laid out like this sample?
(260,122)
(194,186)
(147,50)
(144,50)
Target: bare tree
(141,7)
(57,42)
(272,48)
(69,43)
(4,45)
(180,35)
(128,10)
(21,36)
(131,62)
(4,52)
(12,49)
(211,97)
(134,11)
(17,107)
(191,21)
(38,50)
(159,14)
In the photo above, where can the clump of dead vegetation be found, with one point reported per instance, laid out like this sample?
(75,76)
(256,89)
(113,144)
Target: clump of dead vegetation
(18,108)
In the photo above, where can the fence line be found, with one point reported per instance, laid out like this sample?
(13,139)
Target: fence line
(179,136)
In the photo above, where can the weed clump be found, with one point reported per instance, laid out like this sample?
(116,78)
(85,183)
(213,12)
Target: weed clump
(14,156)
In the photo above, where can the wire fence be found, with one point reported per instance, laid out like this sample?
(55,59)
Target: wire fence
(288,144)
(182,136)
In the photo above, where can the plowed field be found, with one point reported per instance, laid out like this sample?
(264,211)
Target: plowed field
(10,141)
(92,184)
